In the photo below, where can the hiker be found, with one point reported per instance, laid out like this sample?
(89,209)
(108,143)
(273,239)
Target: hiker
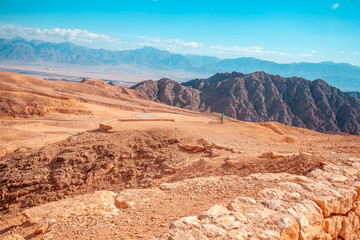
(222,117)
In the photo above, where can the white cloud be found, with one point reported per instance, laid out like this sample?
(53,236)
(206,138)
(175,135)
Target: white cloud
(355,52)
(53,35)
(168,43)
(192,44)
(84,37)
(341,52)
(335,6)
(155,39)
(245,50)
(308,54)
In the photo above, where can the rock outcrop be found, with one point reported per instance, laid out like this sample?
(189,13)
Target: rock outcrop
(171,93)
(323,205)
(259,97)
(69,167)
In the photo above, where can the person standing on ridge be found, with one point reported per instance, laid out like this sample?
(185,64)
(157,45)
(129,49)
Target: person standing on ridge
(222,117)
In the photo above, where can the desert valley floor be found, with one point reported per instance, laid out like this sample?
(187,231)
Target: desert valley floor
(62,177)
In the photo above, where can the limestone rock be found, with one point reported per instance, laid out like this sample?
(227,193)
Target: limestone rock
(214,212)
(298,207)
(333,225)
(105,127)
(122,204)
(237,234)
(350,226)
(323,236)
(353,159)
(289,228)
(186,223)
(191,234)
(14,237)
(230,162)
(258,213)
(274,155)
(271,177)
(186,228)
(310,218)
(357,187)
(269,235)
(271,193)
(335,173)
(239,204)
(330,200)
(356,208)
(227,222)
(217,146)
(275,204)
(212,231)
(192,148)
(214,153)
(42,229)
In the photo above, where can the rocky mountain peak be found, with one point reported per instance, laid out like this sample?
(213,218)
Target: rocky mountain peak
(260,97)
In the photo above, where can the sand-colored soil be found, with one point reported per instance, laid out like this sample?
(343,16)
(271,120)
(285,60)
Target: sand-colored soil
(168,170)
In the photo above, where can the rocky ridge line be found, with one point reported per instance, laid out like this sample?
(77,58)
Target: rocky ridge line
(260,97)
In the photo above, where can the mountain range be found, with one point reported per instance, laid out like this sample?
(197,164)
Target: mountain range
(341,75)
(354,94)
(260,97)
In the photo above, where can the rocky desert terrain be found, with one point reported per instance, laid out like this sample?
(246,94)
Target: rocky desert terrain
(93,161)
(262,97)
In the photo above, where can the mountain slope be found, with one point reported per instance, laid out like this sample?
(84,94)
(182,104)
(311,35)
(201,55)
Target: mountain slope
(261,97)
(171,93)
(354,94)
(341,75)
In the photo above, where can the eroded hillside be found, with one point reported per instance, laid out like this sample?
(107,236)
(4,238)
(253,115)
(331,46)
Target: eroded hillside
(260,97)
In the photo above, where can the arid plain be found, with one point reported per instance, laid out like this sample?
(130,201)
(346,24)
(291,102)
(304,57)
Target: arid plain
(62,176)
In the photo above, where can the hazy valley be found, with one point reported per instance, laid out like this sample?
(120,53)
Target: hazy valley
(68,59)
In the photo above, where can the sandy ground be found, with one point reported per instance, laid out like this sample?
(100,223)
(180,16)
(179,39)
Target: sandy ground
(154,154)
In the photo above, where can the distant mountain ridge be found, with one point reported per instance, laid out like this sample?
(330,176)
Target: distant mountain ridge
(341,75)
(20,50)
(355,94)
(259,97)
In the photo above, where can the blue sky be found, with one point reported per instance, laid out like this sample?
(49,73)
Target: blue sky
(281,31)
